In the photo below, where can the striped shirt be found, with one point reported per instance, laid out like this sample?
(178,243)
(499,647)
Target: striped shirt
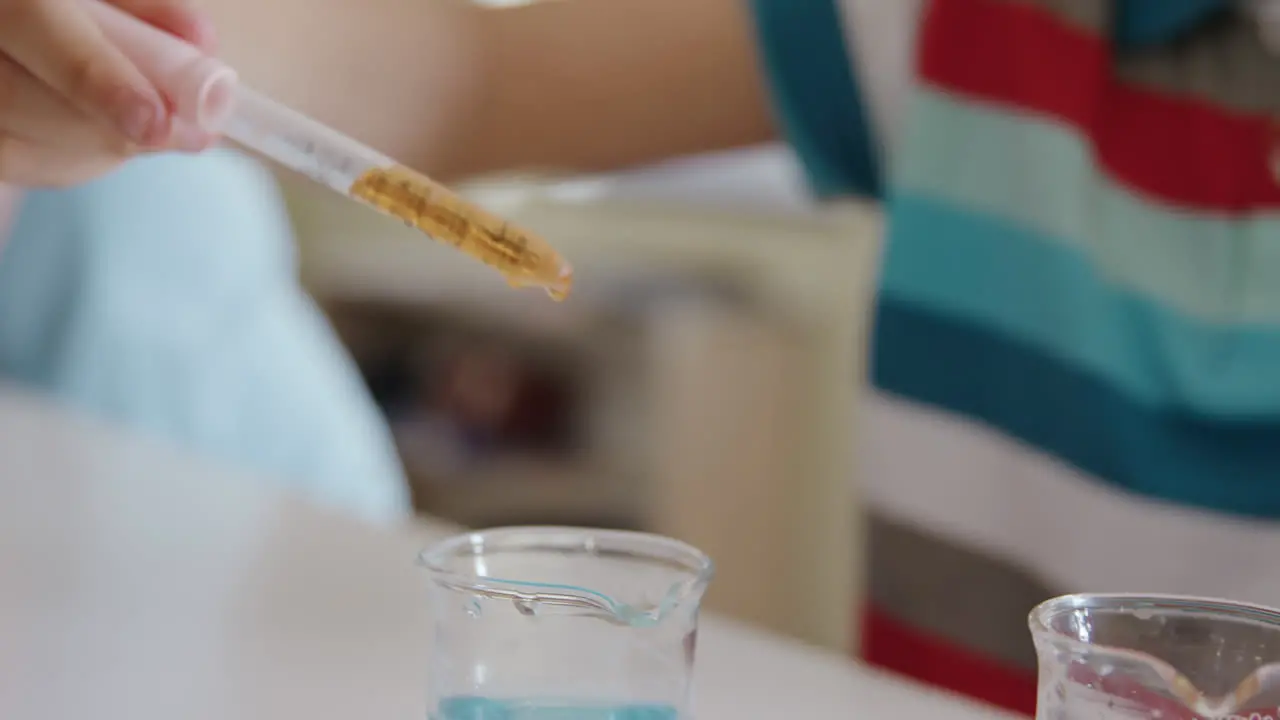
(1076,355)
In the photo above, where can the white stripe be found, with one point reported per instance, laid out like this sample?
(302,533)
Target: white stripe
(969,485)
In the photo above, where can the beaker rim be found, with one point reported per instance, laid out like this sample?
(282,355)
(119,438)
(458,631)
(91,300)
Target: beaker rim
(648,546)
(1041,616)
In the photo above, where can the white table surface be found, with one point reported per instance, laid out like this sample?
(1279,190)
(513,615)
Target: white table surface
(137,584)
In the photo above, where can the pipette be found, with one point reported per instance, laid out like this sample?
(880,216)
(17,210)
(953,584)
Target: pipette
(206,93)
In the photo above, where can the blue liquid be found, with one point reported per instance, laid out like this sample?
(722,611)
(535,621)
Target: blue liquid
(478,708)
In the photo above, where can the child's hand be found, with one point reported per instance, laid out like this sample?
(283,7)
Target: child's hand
(71,105)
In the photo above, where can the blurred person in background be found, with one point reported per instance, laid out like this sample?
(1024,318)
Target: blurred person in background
(164,295)
(1076,356)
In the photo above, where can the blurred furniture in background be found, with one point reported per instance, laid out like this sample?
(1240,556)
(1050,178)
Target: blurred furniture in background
(698,383)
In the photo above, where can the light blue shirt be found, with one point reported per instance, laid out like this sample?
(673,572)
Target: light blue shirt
(165,297)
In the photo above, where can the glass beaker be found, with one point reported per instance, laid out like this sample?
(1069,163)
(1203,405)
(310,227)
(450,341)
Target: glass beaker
(545,623)
(1160,657)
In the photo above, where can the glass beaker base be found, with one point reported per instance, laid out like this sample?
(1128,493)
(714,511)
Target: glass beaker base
(480,708)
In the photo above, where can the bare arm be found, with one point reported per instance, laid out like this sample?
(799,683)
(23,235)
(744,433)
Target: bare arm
(457,90)
(594,84)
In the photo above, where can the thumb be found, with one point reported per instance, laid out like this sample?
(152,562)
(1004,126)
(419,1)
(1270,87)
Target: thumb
(177,17)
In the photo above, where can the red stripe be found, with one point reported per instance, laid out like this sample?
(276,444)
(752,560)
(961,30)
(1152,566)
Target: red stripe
(1178,149)
(901,648)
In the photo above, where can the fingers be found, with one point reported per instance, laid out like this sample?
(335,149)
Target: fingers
(32,111)
(60,44)
(46,142)
(177,17)
(33,164)
(60,79)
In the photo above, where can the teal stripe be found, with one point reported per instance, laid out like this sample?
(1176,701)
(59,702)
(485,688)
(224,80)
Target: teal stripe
(816,94)
(1219,464)
(995,274)
(1040,175)
(1145,22)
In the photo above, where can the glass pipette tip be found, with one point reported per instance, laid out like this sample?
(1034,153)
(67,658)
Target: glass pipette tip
(357,171)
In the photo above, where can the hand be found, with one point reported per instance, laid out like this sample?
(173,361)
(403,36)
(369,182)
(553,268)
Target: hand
(71,105)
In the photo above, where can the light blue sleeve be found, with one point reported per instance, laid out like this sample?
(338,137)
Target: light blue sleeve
(165,297)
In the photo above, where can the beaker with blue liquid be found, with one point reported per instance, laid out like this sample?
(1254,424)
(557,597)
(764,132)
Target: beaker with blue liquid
(563,624)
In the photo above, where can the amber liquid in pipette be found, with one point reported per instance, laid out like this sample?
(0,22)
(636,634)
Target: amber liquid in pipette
(522,258)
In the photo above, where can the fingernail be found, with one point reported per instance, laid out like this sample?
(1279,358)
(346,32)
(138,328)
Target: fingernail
(141,120)
(203,34)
